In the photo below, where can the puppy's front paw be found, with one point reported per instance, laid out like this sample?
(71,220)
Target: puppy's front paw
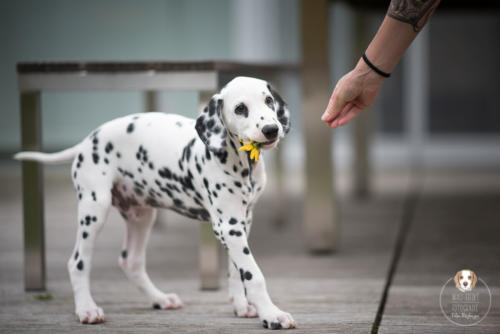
(91,314)
(277,319)
(167,301)
(245,311)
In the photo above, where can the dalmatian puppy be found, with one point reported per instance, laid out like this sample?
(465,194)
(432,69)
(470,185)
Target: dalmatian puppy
(465,280)
(142,162)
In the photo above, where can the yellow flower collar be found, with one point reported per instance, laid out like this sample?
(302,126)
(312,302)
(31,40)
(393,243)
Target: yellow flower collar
(253,147)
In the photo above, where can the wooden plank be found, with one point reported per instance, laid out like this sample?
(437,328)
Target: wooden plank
(147,66)
(34,246)
(320,211)
(453,229)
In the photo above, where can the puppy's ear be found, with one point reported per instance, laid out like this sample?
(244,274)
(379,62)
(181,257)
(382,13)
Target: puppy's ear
(456,279)
(210,126)
(281,109)
(474,279)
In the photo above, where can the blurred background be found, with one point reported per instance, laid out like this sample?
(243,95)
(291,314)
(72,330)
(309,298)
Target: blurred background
(437,115)
(461,120)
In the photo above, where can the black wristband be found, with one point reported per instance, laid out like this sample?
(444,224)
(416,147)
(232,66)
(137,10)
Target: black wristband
(373,67)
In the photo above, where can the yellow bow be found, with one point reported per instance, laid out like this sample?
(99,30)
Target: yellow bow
(253,147)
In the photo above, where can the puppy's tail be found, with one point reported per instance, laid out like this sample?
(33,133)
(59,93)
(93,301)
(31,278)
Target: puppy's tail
(60,157)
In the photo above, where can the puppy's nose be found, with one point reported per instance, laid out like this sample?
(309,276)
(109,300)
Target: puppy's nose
(270,131)
(465,283)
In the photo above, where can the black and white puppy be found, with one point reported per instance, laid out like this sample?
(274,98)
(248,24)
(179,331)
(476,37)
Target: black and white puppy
(142,162)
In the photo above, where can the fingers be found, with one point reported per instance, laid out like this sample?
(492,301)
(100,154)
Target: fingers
(334,107)
(348,113)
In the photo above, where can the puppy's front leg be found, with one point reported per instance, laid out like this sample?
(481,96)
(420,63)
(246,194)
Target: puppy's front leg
(234,238)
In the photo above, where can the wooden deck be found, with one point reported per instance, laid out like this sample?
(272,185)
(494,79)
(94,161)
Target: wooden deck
(455,224)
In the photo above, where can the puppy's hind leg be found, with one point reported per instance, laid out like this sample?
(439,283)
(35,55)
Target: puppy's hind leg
(133,259)
(92,212)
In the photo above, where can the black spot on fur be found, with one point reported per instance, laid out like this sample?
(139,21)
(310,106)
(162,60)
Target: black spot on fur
(157,306)
(94,196)
(85,235)
(237,183)
(233,221)
(130,128)
(165,173)
(246,250)
(245,172)
(95,158)
(108,148)
(235,233)
(80,265)
(124,254)
(248,275)
(76,255)
(138,191)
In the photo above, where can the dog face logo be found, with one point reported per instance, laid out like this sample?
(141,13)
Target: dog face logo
(465,280)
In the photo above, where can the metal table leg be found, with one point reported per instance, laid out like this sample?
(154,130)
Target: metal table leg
(34,248)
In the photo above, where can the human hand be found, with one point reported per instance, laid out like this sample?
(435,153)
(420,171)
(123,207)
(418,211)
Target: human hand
(354,92)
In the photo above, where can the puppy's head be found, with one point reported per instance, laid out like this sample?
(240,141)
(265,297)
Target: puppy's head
(465,280)
(247,108)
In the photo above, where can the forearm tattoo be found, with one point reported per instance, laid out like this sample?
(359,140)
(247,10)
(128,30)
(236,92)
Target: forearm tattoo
(414,12)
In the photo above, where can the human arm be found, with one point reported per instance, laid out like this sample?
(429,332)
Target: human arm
(358,89)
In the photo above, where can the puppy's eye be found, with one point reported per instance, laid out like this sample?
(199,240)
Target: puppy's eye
(269,101)
(461,277)
(240,109)
(469,277)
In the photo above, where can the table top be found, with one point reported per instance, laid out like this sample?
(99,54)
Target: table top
(145,66)
(140,75)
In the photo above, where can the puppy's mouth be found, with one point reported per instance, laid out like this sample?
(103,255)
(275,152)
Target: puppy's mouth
(268,144)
